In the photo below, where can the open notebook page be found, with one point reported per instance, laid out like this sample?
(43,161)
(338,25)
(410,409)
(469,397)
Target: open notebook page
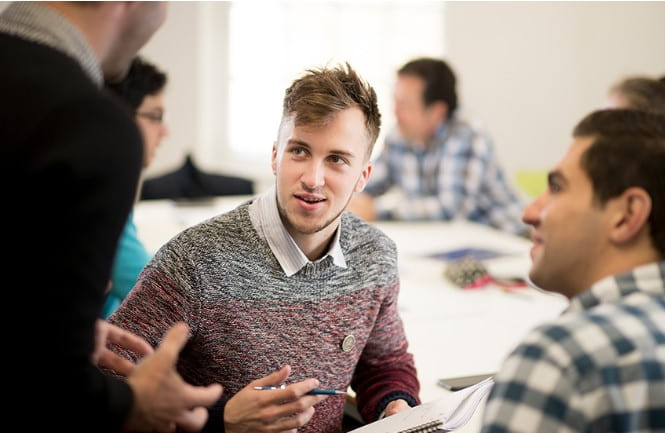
(448,413)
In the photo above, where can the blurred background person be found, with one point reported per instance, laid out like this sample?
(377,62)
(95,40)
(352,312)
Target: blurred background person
(640,93)
(436,165)
(143,91)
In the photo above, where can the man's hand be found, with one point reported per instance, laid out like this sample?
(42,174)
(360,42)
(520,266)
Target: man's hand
(106,333)
(279,410)
(162,399)
(396,406)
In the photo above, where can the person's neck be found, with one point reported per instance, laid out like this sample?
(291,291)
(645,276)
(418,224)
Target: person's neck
(91,22)
(419,144)
(616,262)
(314,245)
(425,140)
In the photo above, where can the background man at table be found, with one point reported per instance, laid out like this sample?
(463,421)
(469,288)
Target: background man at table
(436,165)
(290,278)
(598,239)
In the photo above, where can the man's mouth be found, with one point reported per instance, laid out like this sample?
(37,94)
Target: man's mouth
(309,198)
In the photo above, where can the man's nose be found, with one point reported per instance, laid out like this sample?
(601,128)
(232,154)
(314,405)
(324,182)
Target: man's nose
(314,175)
(533,211)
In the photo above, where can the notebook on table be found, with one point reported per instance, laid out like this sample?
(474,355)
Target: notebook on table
(443,415)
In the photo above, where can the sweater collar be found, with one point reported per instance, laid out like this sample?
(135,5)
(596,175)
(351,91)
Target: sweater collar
(43,25)
(266,220)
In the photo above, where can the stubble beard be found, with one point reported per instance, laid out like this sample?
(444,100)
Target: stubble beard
(304,230)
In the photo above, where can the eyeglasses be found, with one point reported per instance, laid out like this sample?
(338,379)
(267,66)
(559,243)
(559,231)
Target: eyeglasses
(153,116)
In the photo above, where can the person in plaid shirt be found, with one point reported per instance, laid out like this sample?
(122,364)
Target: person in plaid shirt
(436,165)
(598,239)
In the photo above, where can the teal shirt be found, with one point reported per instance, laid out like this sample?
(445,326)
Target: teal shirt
(130,259)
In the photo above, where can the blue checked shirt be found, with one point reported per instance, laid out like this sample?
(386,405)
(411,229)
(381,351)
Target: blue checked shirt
(456,176)
(599,368)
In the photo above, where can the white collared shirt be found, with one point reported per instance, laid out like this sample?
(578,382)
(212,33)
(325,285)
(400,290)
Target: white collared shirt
(267,222)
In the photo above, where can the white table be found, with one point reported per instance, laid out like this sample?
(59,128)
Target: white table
(451,332)
(454,332)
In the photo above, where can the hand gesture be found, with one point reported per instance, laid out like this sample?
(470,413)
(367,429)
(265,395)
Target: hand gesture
(162,399)
(279,410)
(103,357)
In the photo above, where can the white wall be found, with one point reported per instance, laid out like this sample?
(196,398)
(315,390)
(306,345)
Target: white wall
(176,49)
(531,70)
(528,70)
(311,34)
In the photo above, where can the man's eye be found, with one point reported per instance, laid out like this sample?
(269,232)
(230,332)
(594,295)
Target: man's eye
(335,159)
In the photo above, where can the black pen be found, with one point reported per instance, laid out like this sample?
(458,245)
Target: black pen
(315,391)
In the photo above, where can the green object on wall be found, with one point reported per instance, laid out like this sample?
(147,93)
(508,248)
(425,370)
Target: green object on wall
(532,182)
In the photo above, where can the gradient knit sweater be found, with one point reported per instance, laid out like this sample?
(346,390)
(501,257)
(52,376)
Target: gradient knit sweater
(248,318)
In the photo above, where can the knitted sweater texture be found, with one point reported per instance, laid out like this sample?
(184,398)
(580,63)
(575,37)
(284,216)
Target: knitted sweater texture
(248,318)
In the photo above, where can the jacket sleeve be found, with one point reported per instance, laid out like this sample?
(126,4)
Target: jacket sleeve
(88,169)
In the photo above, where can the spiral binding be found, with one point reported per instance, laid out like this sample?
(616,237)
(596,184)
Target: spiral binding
(429,427)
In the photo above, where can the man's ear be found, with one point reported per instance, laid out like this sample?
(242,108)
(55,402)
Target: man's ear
(438,112)
(630,214)
(273,162)
(364,177)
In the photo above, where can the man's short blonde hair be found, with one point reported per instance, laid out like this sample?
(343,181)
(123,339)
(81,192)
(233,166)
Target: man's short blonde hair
(316,97)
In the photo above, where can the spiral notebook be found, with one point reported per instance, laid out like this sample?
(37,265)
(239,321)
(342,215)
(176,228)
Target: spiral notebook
(442,415)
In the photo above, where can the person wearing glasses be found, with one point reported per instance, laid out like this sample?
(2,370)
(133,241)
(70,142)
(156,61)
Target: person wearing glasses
(143,91)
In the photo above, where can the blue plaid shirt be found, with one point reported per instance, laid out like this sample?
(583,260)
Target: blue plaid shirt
(455,176)
(599,368)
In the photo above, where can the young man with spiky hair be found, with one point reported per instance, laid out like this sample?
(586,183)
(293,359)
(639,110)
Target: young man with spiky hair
(290,288)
